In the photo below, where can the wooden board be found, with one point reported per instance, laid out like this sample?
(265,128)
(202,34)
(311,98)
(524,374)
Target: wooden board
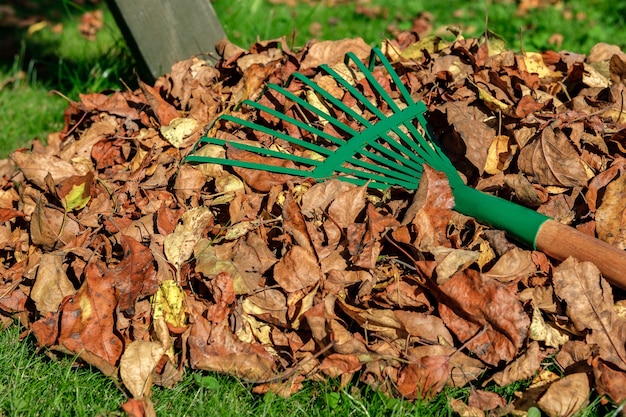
(161,32)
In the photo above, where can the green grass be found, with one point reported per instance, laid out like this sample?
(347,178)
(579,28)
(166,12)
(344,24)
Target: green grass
(32,384)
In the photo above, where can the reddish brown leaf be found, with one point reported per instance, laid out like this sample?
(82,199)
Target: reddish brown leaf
(485,400)
(135,276)
(337,364)
(213,347)
(9,213)
(87,320)
(424,378)
(477,303)
(332,52)
(589,301)
(431,210)
(163,110)
(610,381)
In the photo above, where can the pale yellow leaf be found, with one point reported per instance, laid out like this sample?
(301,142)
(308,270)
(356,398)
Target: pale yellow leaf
(178,246)
(137,365)
(179,129)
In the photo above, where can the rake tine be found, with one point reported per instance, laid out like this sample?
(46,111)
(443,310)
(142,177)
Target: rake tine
(413,160)
(307,145)
(433,154)
(418,150)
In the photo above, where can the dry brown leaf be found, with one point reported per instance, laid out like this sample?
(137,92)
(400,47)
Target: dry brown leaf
(424,378)
(333,52)
(485,400)
(522,368)
(589,301)
(424,326)
(471,310)
(87,320)
(213,347)
(297,270)
(610,381)
(553,160)
(566,396)
(51,284)
(346,206)
(179,245)
(51,227)
(611,215)
(431,210)
(36,167)
(475,135)
(464,410)
(514,264)
(163,110)
(137,365)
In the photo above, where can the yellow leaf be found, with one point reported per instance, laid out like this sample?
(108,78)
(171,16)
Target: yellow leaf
(542,332)
(534,64)
(77,198)
(137,366)
(168,302)
(495,43)
(36,27)
(179,129)
(431,44)
(490,100)
(499,155)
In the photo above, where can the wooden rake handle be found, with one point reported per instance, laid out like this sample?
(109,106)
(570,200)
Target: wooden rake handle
(561,241)
(537,231)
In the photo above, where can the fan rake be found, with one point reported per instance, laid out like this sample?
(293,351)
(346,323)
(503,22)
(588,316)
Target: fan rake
(384,141)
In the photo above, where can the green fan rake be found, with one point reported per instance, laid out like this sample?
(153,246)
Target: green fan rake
(384,141)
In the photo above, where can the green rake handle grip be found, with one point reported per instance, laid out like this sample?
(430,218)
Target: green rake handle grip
(540,232)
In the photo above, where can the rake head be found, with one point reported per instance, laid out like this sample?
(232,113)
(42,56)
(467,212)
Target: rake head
(353,129)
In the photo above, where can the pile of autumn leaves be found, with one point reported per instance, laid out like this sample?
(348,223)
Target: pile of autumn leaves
(116,250)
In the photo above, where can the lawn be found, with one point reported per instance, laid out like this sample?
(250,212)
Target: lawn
(52,63)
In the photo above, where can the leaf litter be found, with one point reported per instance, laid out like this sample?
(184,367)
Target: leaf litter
(116,251)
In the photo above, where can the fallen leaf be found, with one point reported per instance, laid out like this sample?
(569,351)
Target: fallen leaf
(505,321)
(333,52)
(297,270)
(163,110)
(137,365)
(179,245)
(589,300)
(424,378)
(169,302)
(611,215)
(51,283)
(553,160)
(543,332)
(610,381)
(50,227)
(514,264)
(87,318)
(521,368)
(178,130)
(566,396)
(36,167)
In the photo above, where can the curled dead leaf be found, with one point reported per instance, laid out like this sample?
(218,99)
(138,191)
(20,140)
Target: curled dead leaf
(137,365)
